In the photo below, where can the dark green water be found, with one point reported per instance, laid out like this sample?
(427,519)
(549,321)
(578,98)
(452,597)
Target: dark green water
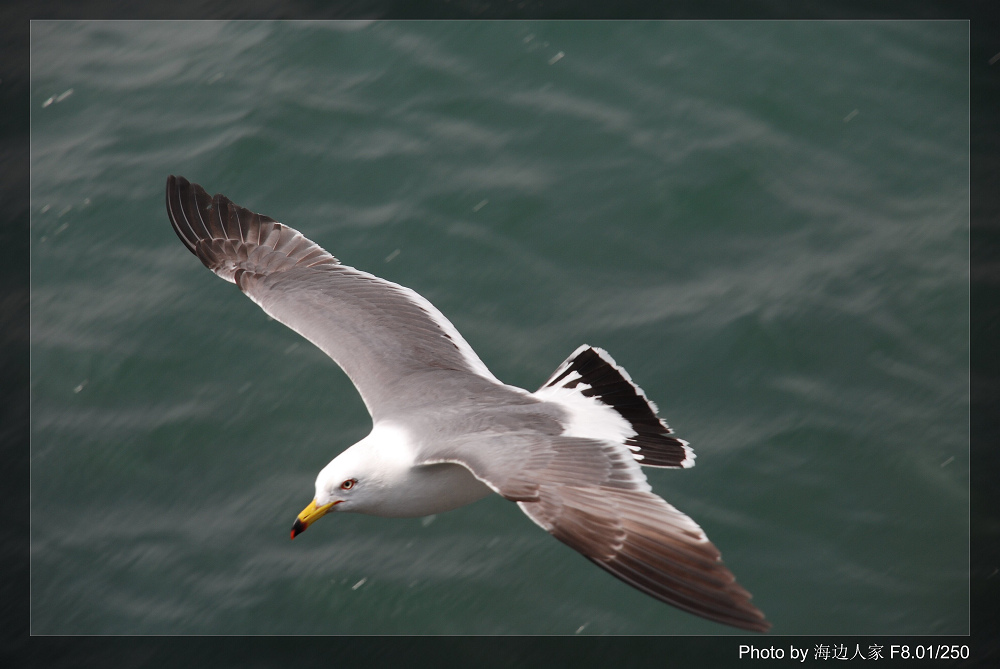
(767,224)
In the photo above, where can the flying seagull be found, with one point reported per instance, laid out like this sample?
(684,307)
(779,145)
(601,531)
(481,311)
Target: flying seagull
(446,432)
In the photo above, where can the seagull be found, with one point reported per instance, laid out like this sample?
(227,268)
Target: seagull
(446,432)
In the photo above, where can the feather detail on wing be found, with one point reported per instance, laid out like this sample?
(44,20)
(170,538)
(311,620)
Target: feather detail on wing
(594,497)
(377,331)
(642,540)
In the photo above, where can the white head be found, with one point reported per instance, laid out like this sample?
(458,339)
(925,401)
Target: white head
(358,479)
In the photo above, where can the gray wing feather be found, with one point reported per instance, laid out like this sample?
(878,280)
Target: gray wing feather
(639,538)
(377,331)
(594,497)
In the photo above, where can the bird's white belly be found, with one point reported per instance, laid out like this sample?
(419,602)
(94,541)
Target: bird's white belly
(430,489)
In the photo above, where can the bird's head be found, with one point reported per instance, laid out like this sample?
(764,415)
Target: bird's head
(343,485)
(365,478)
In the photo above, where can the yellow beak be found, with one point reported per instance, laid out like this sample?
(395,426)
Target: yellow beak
(309,515)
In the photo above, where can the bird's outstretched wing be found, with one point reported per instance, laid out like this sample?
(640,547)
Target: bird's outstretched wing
(593,496)
(379,332)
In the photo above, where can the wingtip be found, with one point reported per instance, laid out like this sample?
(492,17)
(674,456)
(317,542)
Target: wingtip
(755,621)
(175,180)
(178,191)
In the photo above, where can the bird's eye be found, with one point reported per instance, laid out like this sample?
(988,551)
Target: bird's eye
(348,484)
